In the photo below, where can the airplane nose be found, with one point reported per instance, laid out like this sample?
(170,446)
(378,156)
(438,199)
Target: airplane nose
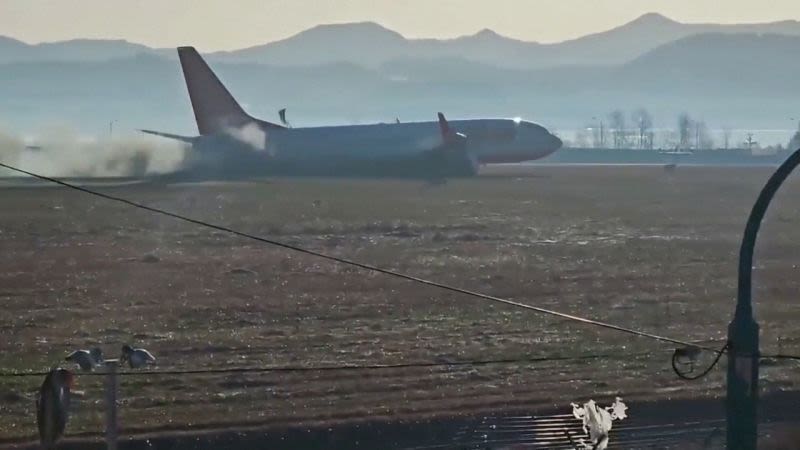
(555,142)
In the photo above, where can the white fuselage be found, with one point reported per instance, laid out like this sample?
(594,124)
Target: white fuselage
(488,140)
(412,149)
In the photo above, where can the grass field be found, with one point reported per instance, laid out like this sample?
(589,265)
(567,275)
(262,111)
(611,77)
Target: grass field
(628,245)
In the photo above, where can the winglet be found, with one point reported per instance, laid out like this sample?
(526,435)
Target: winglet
(282,115)
(444,126)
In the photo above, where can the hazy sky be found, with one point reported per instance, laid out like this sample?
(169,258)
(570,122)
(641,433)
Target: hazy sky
(217,24)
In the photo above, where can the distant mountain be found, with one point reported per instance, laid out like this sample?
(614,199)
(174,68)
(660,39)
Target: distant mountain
(78,50)
(363,43)
(372,45)
(740,64)
(624,43)
(745,79)
(13,50)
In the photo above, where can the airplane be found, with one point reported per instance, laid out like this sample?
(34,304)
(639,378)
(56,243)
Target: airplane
(233,144)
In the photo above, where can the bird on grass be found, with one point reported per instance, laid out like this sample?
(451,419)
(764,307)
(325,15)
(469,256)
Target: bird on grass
(87,360)
(136,357)
(52,406)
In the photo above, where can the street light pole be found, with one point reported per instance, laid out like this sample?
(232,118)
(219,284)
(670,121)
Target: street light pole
(743,346)
(602,134)
(112,387)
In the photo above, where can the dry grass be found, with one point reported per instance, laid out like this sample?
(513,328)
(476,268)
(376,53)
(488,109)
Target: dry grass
(633,246)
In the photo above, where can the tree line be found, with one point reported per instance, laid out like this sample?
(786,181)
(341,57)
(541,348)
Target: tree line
(615,131)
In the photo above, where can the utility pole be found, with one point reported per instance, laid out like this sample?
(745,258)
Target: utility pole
(602,132)
(743,347)
(697,136)
(726,136)
(111,129)
(112,386)
(598,143)
(602,135)
(641,132)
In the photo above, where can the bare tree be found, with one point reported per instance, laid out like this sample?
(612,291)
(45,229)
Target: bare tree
(644,121)
(617,124)
(602,134)
(794,142)
(749,142)
(684,130)
(702,138)
(598,132)
(726,136)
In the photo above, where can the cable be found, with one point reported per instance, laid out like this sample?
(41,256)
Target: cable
(348,367)
(361,265)
(779,356)
(354,367)
(691,353)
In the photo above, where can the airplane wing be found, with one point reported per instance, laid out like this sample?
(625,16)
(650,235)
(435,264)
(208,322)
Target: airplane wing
(177,137)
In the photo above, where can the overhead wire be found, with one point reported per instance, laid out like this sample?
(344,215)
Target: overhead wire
(408,365)
(692,354)
(350,367)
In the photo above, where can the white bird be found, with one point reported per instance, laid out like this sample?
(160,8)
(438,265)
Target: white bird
(87,360)
(136,357)
(597,421)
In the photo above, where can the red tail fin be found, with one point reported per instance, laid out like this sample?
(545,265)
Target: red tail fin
(214,107)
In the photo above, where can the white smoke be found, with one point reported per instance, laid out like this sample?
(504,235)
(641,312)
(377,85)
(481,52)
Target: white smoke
(11,147)
(60,151)
(250,134)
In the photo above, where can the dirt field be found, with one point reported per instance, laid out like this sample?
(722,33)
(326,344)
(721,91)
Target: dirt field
(627,245)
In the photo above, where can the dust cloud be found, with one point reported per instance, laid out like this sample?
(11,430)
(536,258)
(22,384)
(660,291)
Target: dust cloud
(250,134)
(60,151)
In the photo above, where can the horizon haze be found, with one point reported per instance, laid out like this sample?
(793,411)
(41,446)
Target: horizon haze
(652,62)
